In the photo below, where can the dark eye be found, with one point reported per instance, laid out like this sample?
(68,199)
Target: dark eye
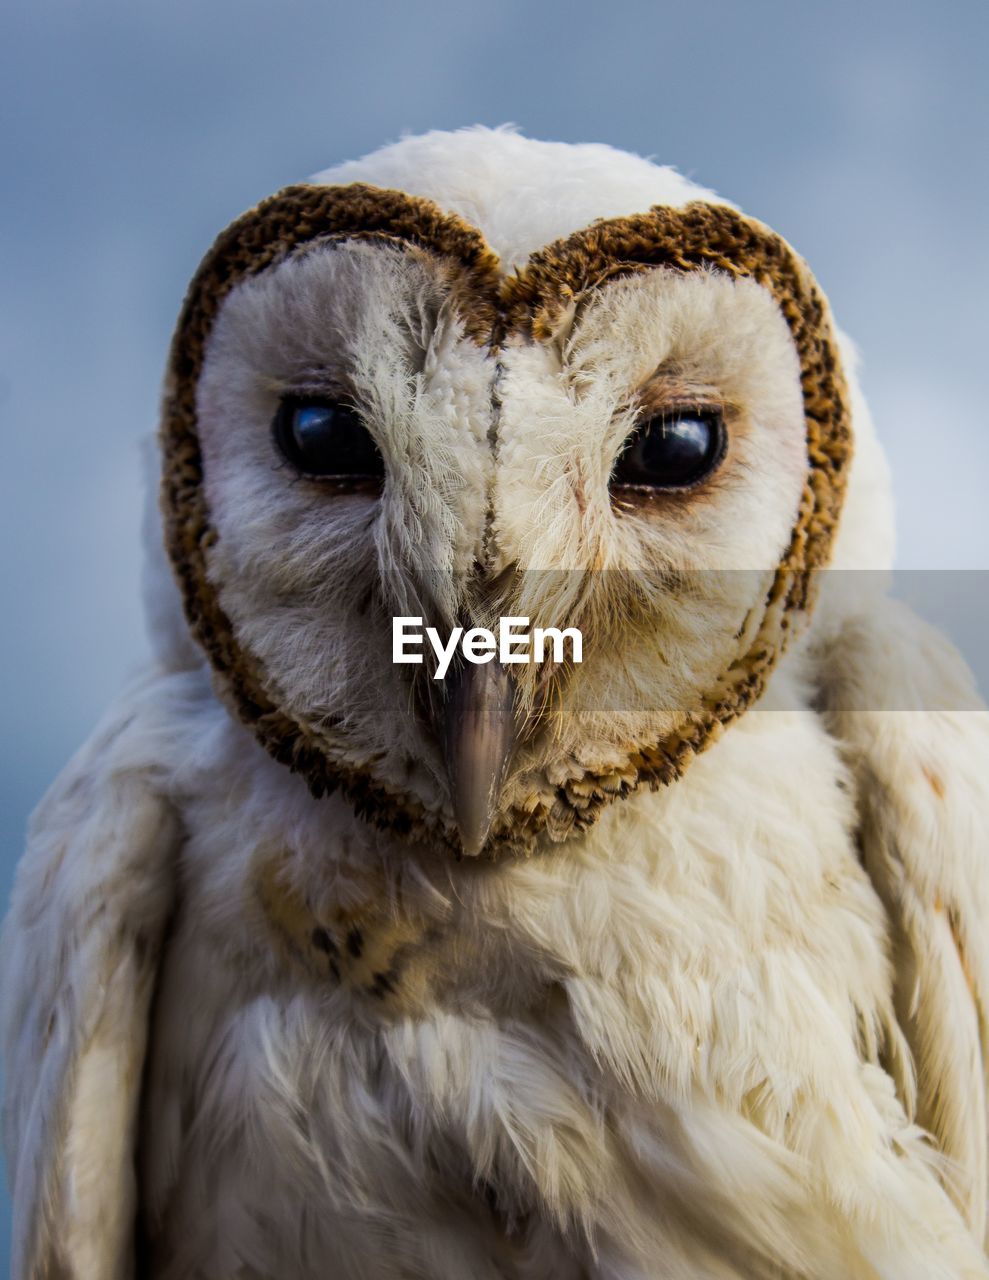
(674,450)
(323,438)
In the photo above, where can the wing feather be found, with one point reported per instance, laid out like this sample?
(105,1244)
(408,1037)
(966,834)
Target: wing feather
(902,701)
(80,951)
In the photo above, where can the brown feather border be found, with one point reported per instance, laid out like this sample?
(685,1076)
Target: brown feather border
(493,307)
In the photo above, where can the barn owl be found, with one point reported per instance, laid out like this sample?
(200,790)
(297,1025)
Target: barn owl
(670,963)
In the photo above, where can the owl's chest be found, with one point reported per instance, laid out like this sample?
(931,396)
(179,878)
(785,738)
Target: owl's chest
(330,1011)
(752,854)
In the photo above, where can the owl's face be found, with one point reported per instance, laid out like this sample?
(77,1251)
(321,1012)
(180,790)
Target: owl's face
(377,421)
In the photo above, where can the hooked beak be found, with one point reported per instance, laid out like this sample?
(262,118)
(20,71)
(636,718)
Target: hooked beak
(479,733)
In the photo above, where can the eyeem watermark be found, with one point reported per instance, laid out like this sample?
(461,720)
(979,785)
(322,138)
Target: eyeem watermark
(513,643)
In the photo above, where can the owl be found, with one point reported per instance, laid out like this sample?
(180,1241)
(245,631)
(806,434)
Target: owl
(669,963)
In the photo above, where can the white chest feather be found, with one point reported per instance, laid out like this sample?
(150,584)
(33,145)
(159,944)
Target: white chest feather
(610,1050)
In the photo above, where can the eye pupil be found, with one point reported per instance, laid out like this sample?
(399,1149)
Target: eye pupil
(324,438)
(672,451)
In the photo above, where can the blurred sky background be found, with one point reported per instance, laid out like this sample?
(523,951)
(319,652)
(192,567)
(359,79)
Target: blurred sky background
(132,132)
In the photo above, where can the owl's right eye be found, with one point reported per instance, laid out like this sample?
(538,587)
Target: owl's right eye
(328,439)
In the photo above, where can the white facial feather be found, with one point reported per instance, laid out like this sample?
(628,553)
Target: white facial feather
(690,339)
(520,193)
(373,325)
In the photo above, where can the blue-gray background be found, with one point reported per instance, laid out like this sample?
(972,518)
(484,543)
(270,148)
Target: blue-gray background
(132,132)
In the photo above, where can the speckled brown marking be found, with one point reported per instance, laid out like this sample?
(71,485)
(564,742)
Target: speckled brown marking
(299,936)
(935,781)
(958,936)
(372,951)
(527,305)
(383,984)
(322,941)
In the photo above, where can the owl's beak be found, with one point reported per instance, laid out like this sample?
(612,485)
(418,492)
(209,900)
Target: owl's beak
(479,734)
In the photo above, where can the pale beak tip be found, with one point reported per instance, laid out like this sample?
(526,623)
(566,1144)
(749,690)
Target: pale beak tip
(474,815)
(471,843)
(478,740)
(475,783)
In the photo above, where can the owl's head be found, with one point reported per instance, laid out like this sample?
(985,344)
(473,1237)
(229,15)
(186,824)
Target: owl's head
(474,377)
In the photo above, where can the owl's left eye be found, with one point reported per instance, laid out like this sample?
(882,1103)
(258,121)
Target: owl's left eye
(326,438)
(674,450)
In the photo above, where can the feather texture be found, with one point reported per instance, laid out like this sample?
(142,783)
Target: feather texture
(905,709)
(81,949)
(735,1031)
